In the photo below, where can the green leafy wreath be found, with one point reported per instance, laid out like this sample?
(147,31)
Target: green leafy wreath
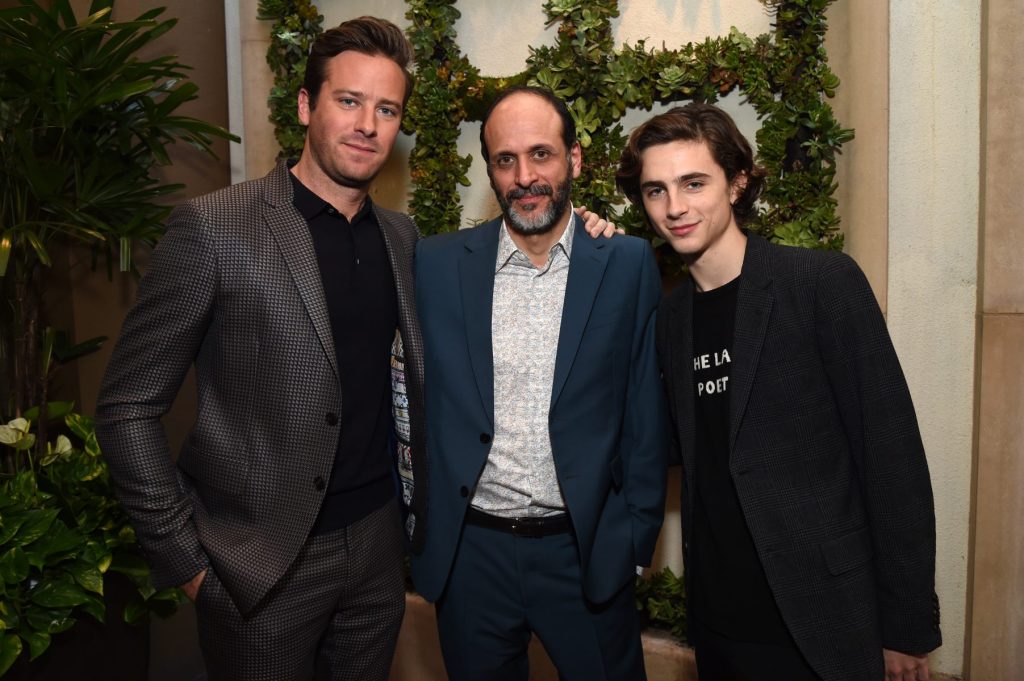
(784,75)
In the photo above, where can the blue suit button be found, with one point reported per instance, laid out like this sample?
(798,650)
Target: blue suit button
(485,438)
(464,491)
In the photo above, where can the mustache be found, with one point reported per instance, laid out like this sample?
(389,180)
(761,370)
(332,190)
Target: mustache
(532,190)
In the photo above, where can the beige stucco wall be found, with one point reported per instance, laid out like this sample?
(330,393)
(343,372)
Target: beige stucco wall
(934,146)
(996,616)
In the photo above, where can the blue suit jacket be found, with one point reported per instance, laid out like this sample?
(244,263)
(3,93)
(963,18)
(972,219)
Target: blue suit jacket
(607,421)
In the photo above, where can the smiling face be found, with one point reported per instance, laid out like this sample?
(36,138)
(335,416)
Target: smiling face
(689,202)
(530,169)
(352,126)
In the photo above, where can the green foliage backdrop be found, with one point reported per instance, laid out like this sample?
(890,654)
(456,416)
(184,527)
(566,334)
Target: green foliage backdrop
(783,74)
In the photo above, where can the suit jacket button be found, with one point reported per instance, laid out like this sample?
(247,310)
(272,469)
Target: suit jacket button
(485,438)
(464,491)
(319,484)
(331,418)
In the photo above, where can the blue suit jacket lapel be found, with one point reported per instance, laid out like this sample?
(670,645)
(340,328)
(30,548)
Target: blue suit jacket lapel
(476,281)
(586,269)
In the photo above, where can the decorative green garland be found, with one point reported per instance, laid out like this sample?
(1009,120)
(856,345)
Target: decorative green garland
(784,75)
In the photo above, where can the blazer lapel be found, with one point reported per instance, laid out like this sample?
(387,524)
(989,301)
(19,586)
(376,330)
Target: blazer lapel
(586,269)
(680,324)
(476,282)
(296,246)
(753,310)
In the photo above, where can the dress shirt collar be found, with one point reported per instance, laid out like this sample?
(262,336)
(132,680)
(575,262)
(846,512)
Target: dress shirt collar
(310,205)
(509,253)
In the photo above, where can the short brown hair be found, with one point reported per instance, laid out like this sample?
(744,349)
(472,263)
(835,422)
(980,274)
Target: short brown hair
(695,122)
(367,35)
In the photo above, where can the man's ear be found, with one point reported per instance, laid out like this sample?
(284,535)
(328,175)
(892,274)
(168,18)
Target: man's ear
(576,159)
(304,107)
(739,183)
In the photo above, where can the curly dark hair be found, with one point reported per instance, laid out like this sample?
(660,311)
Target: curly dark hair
(695,122)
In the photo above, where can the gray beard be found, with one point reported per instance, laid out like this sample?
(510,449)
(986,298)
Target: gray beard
(536,222)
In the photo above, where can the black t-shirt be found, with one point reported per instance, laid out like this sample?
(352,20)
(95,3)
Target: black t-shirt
(730,592)
(362,305)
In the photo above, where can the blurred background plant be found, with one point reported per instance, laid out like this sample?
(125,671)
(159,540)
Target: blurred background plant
(86,117)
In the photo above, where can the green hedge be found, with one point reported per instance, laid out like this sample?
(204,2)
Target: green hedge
(783,74)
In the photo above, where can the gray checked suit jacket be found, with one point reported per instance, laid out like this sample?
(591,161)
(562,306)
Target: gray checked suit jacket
(825,454)
(234,288)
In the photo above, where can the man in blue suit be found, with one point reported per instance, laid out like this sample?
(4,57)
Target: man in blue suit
(546,423)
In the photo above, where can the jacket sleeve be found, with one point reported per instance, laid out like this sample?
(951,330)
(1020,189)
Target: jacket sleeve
(889,457)
(645,433)
(159,341)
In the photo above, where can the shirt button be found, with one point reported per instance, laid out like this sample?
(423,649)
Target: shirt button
(464,491)
(331,418)
(485,438)
(319,484)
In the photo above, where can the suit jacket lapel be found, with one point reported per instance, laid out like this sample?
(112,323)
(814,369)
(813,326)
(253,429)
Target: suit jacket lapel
(586,269)
(296,245)
(476,280)
(680,324)
(753,310)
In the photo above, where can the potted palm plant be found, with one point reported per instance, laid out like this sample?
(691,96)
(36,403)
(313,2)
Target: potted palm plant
(84,121)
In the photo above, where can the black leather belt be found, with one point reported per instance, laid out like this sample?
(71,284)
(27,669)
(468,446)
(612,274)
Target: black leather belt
(521,527)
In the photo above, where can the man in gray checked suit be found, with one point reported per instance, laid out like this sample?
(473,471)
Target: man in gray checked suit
(280,519)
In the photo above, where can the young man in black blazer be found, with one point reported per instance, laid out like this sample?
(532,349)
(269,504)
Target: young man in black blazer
(808,517)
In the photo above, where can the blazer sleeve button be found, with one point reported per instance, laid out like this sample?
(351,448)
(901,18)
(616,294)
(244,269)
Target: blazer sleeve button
(331,418)
(319,484)
(485,438)
(464,491)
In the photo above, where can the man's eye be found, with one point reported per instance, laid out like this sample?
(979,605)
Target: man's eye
(694,184)
(347,101)
(654,192)
(504,161)
(541,155)
(388,111)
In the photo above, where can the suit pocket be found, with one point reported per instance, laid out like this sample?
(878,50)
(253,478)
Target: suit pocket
(847,552)
(219,474)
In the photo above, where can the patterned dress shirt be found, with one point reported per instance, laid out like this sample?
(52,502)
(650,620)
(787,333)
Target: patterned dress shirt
(519,477)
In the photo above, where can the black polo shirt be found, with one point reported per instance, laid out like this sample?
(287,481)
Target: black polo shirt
(363,308)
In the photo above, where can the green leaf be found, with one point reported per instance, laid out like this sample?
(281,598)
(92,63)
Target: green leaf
(37,522)
(54,411)
(59,541)
(9,524)
(38,642)
(14,566)
(95,607)
(87,576)
(52,621)
(135,612)
(10,648)
(58,593)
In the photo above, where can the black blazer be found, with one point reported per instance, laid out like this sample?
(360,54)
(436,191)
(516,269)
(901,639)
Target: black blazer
(825,454)
(234,288)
